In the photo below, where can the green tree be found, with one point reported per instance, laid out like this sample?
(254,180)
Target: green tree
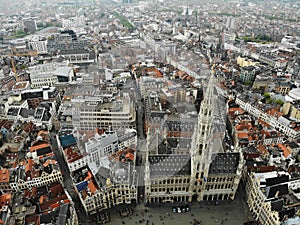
(279,102)
(248,83)
(20,32)
(267,95)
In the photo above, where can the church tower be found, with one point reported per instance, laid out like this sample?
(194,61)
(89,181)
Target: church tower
(202,143)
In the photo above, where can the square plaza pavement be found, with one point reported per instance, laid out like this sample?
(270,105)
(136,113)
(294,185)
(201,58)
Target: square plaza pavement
(234,214)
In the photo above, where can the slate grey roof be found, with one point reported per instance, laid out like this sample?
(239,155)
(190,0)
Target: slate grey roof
(25,113)
(126,136)
(277,180)
(62,71)
(74,51)
(13,111)
(179,142)
(180,125)
(46,116)
(47,218)
(293,145)
(159,145)
(277,205)
(44,151)
(224,163)
(42,190)
(277,190)
(109,139)
(103,172)
(170,165)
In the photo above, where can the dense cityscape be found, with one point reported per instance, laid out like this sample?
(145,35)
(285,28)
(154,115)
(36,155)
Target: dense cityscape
(150,112)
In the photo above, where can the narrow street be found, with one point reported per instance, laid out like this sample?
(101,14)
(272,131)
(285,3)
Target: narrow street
(141,141)
(68,184)
(67,179)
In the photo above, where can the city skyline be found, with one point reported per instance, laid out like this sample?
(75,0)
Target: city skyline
(113,110)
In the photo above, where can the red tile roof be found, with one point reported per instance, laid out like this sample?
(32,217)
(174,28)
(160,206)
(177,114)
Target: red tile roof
(274,112)
(4,176)
(262,149)
(28,166)
(7,124)
(72,154)
(57,190)
(45,206)
(37,147)
(286,151)
(5,199)
(92,187)
(49,161)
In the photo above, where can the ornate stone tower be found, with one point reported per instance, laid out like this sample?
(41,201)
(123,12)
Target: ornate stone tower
(147,180)
(202,143)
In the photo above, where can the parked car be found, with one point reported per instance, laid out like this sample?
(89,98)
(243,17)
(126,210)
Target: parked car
(174,210)
(187,208)
(181,209)
(178,209)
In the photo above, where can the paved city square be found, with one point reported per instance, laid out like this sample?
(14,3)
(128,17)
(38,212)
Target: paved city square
(234,214)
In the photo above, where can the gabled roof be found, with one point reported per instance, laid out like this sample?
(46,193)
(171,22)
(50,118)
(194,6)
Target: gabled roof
(41,149)
(40,146)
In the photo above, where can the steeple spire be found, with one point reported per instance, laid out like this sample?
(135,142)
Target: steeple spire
(202,140)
